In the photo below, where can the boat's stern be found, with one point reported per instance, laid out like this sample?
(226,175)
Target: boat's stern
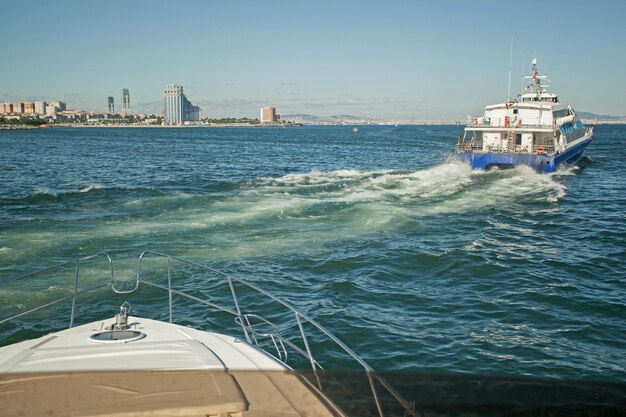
(487,161)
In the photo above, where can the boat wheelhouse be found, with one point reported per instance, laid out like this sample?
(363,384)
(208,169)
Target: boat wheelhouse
(536,130)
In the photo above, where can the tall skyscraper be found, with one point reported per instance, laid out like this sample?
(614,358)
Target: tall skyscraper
(125,101)
(110,105)
(177,108)
(173,101)
(268,115)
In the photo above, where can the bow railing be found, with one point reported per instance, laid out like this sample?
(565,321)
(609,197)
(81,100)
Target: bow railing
(255,328)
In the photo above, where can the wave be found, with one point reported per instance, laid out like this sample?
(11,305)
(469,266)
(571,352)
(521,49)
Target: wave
(45,195)
(91,187)
(436,183)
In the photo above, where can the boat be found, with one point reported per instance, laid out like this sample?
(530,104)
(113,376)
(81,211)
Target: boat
(535,130)
(131,365)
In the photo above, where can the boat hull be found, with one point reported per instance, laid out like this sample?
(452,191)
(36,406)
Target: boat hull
(540,163)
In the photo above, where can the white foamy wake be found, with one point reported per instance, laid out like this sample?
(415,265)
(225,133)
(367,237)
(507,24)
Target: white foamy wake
(91,187)
(317,178)
(355,201)
(312,210)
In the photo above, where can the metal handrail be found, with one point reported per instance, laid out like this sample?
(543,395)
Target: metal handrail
(502,126)
(240,318)
(468,147)
(75,292)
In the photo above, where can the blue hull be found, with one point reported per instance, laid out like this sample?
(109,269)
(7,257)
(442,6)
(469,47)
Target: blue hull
(540,163)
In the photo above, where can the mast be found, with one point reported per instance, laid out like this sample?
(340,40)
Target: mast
(510,63)
(535,84)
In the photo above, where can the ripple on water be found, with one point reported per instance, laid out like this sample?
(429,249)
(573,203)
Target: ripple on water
(413,259)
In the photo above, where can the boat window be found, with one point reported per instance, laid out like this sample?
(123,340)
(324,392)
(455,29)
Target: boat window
(518,139)
(576,134)
(514,111)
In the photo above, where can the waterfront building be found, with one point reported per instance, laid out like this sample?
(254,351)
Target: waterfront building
(191,113)
(125,101)
(51,110)
(110,105)
(18,107)
(268,115)
(40,107)
(173,101)
(6,108)
(29,108)
(59,105)
(55,107)
(178,108)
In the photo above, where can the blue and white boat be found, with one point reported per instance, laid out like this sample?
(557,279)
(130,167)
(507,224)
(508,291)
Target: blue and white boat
(536,130)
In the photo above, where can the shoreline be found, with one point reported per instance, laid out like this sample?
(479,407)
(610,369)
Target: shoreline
(139,126)
(18,127)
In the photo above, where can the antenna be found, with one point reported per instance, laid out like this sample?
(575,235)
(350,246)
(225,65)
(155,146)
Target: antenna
(510,63)
(521,83)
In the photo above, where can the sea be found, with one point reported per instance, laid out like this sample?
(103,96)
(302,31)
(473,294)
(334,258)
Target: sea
(416,262)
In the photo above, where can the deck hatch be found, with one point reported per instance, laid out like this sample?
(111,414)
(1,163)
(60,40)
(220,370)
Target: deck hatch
(117,336)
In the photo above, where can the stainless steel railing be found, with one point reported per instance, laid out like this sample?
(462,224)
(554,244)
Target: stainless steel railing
(536,149)
(249,323)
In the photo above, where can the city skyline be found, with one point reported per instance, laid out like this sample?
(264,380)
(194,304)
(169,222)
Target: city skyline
(395,59)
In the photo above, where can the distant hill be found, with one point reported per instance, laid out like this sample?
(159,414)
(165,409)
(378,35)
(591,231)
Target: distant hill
(587,115)
(317,118)
(346,119)
(334,119)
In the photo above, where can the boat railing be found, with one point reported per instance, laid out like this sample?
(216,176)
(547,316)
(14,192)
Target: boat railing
(254,327)
(517,149)
(506,123)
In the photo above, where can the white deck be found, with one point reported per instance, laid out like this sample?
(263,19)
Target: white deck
(173,370)
(165,347)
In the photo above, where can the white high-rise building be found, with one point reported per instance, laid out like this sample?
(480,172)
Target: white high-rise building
(177,108)
(173,98)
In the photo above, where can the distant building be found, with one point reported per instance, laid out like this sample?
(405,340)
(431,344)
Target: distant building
(110,105)
(177,108)
(268,115)
(18,107)
(51,110)
(59,105)
(40,107)
(191,112)
(125,101)
(6,108)
(55,107)
(29,108)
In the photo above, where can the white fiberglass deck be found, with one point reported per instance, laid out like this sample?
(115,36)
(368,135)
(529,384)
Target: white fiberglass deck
(173,370)
(165,347)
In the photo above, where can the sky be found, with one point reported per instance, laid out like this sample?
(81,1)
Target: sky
(379,59)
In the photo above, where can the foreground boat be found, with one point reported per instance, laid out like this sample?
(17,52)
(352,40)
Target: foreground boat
(130,365)
(536,131)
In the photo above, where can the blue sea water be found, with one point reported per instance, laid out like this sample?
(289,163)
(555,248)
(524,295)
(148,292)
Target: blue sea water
(415,261)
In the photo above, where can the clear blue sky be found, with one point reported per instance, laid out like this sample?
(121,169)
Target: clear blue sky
(392,58)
